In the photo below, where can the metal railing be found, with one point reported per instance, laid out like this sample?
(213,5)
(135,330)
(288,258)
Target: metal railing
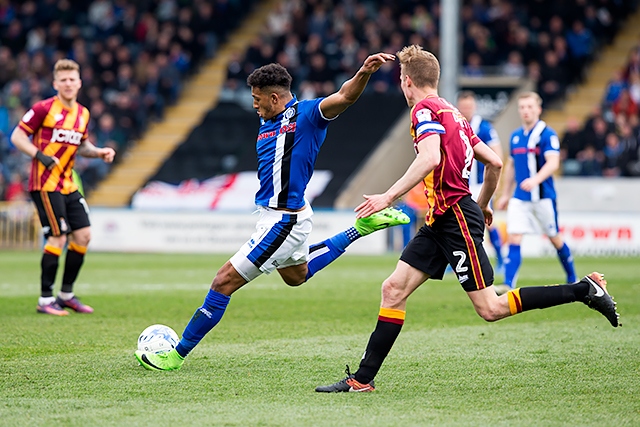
(19,226)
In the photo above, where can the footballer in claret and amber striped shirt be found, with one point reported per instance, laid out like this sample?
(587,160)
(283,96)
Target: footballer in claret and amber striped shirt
(52,132)
(57,131)
(449,181)
(453,234)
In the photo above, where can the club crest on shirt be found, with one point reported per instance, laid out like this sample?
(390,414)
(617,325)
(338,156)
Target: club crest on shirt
(289,113)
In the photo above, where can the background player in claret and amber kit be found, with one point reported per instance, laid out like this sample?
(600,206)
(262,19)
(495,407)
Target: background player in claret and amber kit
(445,146)
(52,132)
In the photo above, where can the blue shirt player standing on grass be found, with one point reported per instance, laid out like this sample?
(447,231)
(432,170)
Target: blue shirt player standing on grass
(487,134)
(289,139)
(529,191)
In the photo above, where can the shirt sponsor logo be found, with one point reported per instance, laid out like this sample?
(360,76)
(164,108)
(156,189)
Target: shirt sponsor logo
(267,135)
(66,135)
(291,127)
(525,150)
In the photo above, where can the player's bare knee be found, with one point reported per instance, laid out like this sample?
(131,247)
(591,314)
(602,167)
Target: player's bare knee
(489,316)
(81,241)
(293,276)
(294,282)
(223,287)
(82,236)
(490,313)
(57,241)
(227,280)
(392,293)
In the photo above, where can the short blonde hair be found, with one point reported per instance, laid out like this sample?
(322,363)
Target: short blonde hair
(421,65)
(465,94)
(65,65)
(533,95)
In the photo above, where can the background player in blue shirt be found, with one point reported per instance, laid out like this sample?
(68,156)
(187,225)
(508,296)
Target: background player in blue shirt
(529,190)
(466,103)
(290,136)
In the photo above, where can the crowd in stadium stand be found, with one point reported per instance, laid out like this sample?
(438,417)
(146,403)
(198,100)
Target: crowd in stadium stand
(322,41)
(133,57)
(550,42)
(607,143)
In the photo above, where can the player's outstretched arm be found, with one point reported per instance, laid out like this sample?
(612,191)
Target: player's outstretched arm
(426,161)
(87,149)
(351,90)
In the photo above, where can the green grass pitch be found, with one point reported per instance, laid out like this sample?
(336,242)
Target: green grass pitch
(564,366)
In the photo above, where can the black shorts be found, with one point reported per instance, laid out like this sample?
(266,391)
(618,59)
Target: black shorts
(454,238)
(61,213)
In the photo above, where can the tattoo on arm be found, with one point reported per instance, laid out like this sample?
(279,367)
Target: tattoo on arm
(87,149)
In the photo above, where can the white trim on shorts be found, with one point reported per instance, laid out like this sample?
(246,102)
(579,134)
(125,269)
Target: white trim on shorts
(525,217)
(278,242)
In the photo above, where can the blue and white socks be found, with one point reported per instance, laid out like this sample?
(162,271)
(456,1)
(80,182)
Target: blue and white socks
(324,253)
(203,320)
(512,265)
(514,259)
(567,263)
(494,237)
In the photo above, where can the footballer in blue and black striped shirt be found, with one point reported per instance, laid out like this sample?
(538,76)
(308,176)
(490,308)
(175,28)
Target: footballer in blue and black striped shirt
(290,136)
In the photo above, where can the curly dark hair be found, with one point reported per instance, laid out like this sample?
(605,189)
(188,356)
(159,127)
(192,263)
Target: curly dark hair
(270,75)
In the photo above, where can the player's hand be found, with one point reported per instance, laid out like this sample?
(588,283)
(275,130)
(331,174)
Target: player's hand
(48,161)
(528,184)
(488,215)
(501,203)
(374,62)
(107,154)
(372,204)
